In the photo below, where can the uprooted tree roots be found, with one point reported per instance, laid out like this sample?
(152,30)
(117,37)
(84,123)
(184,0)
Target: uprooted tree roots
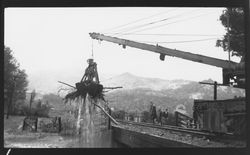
(94,90)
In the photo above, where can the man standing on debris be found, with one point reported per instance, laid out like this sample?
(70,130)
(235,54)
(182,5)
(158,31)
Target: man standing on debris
(91,72)
(152,111)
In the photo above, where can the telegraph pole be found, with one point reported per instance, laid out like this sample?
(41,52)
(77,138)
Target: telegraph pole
(215,90)
(215,84)
(32,96)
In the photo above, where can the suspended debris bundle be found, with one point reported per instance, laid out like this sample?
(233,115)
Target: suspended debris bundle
(89,84)
(94,90)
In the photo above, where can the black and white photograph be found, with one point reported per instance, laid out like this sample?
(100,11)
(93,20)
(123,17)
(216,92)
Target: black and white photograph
(124,77)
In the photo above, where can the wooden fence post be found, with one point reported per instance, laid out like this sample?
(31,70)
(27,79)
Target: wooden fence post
(109,120)
(24,123)
(36,123)
(60,125)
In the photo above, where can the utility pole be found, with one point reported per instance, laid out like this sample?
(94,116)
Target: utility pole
(32,96)
(215,87)
(215,90)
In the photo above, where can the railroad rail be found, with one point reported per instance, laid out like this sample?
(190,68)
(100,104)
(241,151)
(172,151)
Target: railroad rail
(170,128)
(193,132)
(135,134)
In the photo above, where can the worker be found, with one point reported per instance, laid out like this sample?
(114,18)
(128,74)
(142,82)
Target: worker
(195,120)
(160,114)
(91,72)
(151,107)
(165,115)
(153,112)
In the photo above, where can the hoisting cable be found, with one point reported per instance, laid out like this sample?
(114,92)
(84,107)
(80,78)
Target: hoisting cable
(92,50)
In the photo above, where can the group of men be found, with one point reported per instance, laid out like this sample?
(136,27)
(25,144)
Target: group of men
(157,116)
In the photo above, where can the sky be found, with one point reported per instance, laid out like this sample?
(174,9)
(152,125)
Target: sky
(56,41)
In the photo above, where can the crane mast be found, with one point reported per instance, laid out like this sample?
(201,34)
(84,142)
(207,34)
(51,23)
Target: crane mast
(230,68)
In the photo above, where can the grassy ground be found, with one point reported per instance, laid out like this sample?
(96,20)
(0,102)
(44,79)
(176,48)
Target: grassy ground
(14,137)
(13,123)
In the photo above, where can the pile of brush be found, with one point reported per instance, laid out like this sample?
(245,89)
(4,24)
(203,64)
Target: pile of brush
(94,90)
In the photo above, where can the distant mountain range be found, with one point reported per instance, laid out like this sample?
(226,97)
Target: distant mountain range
(137,92)
(130,81)
(48,82)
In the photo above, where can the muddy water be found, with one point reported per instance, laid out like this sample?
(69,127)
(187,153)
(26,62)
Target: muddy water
(94,133)
(104,140)
(94,130)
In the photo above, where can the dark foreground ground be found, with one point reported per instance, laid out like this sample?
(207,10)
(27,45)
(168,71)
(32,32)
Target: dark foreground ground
(14,137)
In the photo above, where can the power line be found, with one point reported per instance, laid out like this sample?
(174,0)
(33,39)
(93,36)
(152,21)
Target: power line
(171,23)
(184,41)
(119,26)
(143,25)
(160,34)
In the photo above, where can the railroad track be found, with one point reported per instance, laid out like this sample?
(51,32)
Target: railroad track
(193,132)
(130,130)
(170,128)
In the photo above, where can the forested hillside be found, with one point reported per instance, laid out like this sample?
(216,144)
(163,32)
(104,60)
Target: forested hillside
(138,99)
(137,92)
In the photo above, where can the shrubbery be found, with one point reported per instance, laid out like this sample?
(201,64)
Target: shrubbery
(24,110)
(146,117)
(120,114)
(68,124)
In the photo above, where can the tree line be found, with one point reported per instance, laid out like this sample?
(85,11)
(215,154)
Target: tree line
(15,90)
(234,39)
(15,82)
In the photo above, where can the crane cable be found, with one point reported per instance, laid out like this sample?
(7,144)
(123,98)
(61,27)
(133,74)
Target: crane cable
(92,50)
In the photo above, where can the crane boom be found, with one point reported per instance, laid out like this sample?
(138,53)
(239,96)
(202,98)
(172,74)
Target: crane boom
(231,71)
(167,51)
